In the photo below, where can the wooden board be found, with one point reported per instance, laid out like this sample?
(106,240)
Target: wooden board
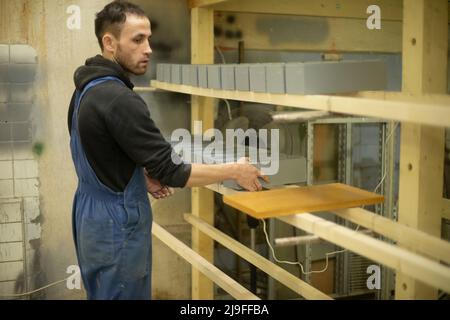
(282,202)
(424,109)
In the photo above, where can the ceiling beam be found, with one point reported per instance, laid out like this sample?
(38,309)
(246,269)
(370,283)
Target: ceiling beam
(204,3)
(390,9)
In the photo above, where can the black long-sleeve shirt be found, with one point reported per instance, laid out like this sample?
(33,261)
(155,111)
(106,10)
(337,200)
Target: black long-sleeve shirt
(117,132)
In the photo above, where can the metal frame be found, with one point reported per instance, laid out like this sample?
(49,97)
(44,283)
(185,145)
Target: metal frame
(345,165)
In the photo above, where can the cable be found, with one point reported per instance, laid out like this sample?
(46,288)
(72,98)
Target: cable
(297,262)
(220,54)
(385,169)
(34,291)
(228,109)
(224,62)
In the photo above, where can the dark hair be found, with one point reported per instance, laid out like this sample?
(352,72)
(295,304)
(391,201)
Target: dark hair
(112,17)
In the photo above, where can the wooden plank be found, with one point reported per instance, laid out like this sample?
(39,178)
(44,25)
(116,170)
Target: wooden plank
(390,9)
(276,272)
(435,113)
(202,265)
(202,200)
(425,98)
(281,202)
(204,3)
(275,32)
(392,256)
(425,57)
(422,242)
(446,209)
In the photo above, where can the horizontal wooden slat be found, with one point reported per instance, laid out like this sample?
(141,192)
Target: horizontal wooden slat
(276,272)
(204,3)
(281,202)
(201,264)
(390,9)
(313,34)
(421,242)
(430,112)
(392,256)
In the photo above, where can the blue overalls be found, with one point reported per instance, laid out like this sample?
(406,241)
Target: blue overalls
(112,230)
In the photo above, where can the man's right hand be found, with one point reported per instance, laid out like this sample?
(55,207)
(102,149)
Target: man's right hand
(247,175)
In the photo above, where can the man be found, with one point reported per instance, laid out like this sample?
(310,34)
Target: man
(119,154)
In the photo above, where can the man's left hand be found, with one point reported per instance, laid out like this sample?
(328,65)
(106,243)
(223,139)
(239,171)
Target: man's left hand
(155,188)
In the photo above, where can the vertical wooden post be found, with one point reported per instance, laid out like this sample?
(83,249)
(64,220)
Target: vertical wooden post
(425,45)
(202,109)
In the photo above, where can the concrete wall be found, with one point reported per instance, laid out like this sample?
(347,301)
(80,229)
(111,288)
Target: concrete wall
(42,25)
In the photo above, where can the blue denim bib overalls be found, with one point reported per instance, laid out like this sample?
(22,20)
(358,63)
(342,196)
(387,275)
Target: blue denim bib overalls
(112,230)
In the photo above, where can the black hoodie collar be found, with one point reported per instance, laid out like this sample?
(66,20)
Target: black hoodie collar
(97,67)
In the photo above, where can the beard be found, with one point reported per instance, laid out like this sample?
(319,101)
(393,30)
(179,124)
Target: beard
(126,63)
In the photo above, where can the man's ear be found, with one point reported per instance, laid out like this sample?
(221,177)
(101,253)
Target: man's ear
(109,42)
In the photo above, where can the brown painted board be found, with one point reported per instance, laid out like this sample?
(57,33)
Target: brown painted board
(283,202)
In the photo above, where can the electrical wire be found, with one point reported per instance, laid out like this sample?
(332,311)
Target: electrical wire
(297,262)
(220,54)
(385,144)
(228,109)
(17,295)
(224,62)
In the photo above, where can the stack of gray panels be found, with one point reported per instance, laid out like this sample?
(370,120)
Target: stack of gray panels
(279,78)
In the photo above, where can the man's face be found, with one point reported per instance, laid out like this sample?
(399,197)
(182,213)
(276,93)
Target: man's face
(133,47)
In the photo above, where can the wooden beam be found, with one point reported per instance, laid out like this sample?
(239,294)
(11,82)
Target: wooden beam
(425,57)
(204,3)
(425,98)
(422,242)
(390,9)
(446,209)
(275,32)
(202,51)
(400,259)
(202,265)
(276,272)
(430,113)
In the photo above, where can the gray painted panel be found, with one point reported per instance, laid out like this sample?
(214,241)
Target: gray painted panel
(275,78)
(258,77)
(214,76)
(228,77)
(242,77)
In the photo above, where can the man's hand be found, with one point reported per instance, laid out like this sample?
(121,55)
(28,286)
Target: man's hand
(247,175)
(156,189)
